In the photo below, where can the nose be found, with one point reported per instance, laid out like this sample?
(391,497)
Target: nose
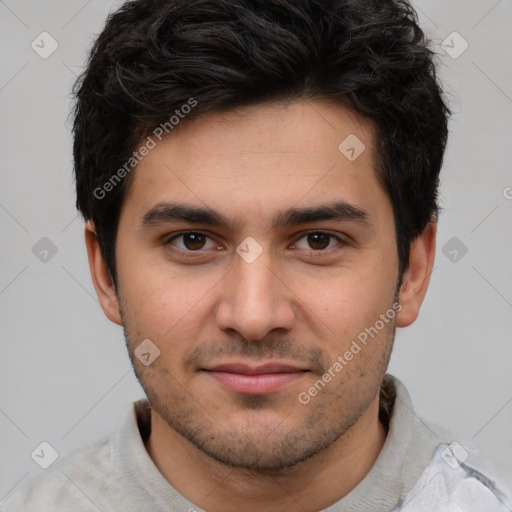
(255,300)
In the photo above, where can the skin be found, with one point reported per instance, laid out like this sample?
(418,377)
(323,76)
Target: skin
(302,301)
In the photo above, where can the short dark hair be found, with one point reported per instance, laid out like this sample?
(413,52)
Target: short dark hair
(154,56)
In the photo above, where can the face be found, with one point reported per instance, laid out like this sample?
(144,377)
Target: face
(254,254)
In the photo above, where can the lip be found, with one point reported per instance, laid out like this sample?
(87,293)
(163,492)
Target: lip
(255,380)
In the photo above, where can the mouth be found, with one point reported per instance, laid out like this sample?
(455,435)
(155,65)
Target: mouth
(255,380)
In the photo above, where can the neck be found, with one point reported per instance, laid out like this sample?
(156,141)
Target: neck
(310,485)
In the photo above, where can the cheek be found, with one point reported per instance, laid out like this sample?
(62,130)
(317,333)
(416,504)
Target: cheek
(353,300)
(157,309)
(162,304)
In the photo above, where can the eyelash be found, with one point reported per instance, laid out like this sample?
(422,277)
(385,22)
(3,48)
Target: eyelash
(190,253)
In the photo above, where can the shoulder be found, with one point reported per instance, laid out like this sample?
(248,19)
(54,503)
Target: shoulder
(67,484)
(439,468)
(458,478)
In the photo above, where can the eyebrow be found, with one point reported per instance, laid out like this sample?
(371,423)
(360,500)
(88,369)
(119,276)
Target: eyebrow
(340,211)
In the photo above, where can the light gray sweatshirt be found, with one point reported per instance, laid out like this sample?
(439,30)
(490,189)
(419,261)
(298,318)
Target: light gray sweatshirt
(419,469)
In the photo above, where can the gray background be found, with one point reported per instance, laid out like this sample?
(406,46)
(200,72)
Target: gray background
(65,376)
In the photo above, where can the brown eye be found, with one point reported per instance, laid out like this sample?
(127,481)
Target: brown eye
(191,241)
(318,241)
(194,241)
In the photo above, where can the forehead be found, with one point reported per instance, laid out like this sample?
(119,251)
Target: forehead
(259,156)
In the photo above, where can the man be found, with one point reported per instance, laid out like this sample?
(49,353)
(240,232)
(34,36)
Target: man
(259,183)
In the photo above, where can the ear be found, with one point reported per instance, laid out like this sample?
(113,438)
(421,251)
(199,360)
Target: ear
(101,278)
(417,276)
